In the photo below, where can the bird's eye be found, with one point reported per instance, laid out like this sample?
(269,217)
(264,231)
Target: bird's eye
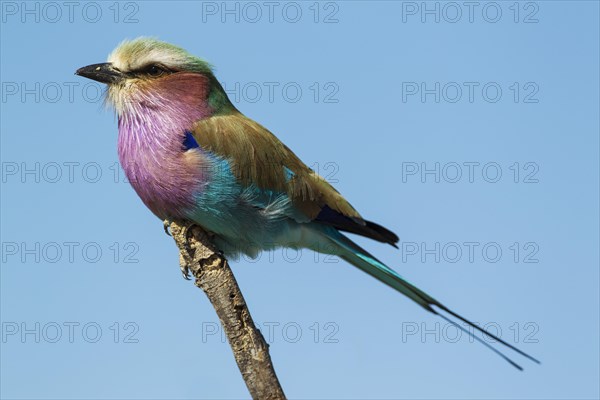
(155,70)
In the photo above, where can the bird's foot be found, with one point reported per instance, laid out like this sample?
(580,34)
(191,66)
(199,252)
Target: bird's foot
(185,260)
(187,233)
(185,268)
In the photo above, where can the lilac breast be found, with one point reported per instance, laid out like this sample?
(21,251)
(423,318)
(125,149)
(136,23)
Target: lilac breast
(165,175)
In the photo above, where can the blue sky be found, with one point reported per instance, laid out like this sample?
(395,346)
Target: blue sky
(471,131)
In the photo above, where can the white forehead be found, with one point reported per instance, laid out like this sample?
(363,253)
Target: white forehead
(131,55)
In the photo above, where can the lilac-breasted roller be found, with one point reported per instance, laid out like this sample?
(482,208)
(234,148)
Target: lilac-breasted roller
(191,155)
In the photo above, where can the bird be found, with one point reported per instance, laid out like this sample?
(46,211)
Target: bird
(191,155)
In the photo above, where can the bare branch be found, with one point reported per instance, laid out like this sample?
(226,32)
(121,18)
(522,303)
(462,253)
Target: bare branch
(213,275)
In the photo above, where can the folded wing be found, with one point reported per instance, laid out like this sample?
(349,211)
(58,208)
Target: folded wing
(258,158)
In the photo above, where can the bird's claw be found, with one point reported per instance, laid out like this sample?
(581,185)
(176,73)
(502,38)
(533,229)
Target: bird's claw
(187,233)
(166,224)
(185,269)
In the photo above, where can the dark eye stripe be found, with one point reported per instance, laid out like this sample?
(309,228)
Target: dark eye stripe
(152,69)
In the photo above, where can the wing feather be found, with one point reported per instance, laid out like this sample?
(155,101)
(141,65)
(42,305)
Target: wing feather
(257,157)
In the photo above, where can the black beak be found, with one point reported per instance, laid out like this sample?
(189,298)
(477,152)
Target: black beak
(103,72)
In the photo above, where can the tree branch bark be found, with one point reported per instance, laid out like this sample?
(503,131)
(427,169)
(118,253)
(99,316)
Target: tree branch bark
(213,275)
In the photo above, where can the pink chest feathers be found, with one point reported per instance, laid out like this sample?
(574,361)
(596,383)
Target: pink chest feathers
(152,130)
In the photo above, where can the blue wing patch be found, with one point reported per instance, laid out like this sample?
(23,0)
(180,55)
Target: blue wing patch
(189,142)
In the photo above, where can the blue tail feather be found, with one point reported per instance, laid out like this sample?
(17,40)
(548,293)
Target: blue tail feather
(360,258)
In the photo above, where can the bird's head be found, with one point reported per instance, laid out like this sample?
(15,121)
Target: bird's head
(151,73)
